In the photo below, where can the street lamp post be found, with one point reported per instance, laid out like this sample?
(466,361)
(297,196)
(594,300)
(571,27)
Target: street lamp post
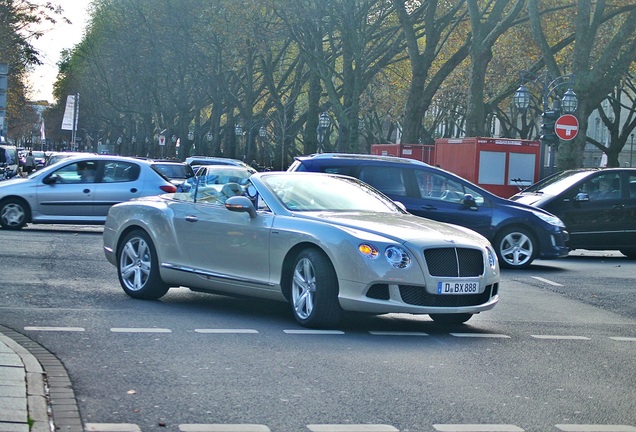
(262,132)
(567,104)
(631,150)
(324,121)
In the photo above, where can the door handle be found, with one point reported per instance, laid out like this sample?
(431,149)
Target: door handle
(86,191)
(133,190)
(429,207)
(618,207)
(191,219)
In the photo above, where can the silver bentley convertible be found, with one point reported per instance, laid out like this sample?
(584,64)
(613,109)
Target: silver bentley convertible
(324,243)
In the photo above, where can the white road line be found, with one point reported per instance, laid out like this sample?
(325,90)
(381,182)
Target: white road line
(595,428)
(477,428)
(546,281)
(60,329)
(111,427)
(223,428)
(225,331)
(139,330)
(480,335)
(396,333)
(351,428)
(315,332)
(623,339)
(557,337)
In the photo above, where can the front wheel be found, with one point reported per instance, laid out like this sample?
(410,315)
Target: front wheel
(138,267)
(314,290)
(450,319)
(516,248)
(13,214)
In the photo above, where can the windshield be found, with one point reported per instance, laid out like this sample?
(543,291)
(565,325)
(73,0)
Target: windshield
(557,183)
(328,193)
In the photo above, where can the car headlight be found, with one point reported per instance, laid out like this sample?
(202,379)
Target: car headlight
(492,258)
(398,257)
(549,218)
(368,250)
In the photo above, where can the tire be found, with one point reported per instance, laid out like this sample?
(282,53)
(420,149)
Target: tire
(138,267)
(516,248)
(314,290)
(629,252)
(13,214)
(451,319)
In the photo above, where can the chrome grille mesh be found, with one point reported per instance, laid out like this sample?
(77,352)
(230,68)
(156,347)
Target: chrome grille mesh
(454,262)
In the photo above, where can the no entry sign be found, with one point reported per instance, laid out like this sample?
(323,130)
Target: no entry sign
(566,127)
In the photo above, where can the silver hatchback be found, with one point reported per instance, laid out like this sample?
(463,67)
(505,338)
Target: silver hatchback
(78,190)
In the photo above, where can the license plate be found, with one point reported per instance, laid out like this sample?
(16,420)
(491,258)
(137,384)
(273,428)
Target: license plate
(457,287)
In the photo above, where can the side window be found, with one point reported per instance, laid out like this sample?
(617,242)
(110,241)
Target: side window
(385,179)
(440,187)
(603,187)
(631,181)
(117,172)
(79,172)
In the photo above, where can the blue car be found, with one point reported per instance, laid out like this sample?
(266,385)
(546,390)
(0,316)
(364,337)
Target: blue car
(519,233)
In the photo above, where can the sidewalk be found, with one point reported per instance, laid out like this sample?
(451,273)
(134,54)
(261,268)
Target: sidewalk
(35,391)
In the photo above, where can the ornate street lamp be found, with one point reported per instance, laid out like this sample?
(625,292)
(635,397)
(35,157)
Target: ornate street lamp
(567,104)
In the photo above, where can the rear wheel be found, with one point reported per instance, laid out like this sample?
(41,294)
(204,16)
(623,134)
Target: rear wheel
(516,247)
(314,290)
(138,267)
(13,214)
(450,319)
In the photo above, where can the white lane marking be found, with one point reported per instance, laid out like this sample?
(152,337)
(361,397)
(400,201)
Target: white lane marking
(480,335)
(60,329)
(396,333)
(477,428)
(139,330)
(223,428)
(351,428)
(595,428)
(226,331)
(112,427)
(325,332)
(557,337)
(546,281)
(623,339)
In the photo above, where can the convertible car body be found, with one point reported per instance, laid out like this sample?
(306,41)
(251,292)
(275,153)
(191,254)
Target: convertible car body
(324,243)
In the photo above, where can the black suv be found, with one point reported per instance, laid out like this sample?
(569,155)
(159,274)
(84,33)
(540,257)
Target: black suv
(518,232)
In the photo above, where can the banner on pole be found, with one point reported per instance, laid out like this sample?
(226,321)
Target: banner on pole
(69,114)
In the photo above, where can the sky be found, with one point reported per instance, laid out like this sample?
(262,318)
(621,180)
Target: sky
(56,38)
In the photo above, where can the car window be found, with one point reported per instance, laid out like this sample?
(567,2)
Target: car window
(631,181)
(444,188)
(389,180)
(118,171)
(78,172)
(602,187)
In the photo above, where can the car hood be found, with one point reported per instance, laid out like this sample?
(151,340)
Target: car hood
(528,198)
(403,228)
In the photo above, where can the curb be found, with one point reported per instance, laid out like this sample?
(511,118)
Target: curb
(50,396)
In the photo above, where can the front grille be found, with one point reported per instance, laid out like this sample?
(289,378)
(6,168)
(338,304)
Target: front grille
(417,295)
(454,262)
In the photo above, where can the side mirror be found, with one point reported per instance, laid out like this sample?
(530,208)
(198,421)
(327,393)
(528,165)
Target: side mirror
(240,204)
(581,197)
(52,179)
(469,201)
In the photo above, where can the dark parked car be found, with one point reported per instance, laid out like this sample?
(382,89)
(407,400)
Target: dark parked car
(177,172)
(518,232)
(598,206)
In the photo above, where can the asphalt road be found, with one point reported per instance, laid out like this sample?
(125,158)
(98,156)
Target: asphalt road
(557,353)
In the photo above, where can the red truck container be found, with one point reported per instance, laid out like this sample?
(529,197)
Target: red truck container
(499,165)
(421,152)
